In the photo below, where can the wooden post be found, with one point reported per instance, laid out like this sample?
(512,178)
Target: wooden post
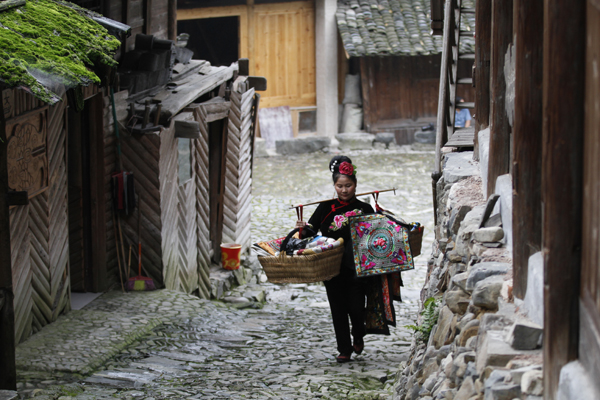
(527,138)
(97,199)
(8,370)
(483,39)
(562,167)
(172,27)
(499,162)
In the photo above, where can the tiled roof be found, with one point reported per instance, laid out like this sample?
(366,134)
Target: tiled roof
(394,27)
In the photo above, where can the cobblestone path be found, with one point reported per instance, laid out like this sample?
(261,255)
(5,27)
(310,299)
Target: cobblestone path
(284,349)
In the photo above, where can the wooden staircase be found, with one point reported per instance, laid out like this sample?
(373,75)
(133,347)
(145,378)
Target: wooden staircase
(447,134)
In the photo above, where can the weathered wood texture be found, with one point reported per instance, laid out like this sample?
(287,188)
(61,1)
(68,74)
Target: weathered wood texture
(204,246)
(589,339)
(238,182)
(168,167)
(445,115)
(192,88)
(527,136)
(135,14)
(483,39)
(500,131)
(142,156)
(279,40)
(111,165)
(397,88)
(8,369)
(39,236)
(562,168)
(284,53)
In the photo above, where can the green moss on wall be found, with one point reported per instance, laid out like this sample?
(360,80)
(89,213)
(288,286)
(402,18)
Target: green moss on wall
(45,43)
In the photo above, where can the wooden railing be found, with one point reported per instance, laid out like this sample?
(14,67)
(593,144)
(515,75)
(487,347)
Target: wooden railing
(447,134)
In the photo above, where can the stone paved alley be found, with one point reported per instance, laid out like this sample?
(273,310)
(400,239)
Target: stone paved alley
(168,345)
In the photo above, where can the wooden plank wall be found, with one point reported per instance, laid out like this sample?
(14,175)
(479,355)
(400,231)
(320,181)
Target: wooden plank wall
(589,337)
(279,40)
(397,88)
(238,183)
(527,136)
(111,165)
(39,234)
(144,16)
(562,184)
(284,53)
(168,167)
(204,245)
(500,131)
(186,279)
(142,156)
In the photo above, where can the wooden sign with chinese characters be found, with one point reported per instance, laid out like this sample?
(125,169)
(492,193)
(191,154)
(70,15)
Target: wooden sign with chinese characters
(27,160)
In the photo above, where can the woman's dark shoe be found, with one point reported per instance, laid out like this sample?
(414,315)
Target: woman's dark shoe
(358,346)
(343,358)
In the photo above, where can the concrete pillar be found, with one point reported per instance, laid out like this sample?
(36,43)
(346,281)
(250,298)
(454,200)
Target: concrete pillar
(326,58)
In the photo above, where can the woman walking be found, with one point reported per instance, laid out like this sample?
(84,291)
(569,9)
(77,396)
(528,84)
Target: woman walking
(346,292)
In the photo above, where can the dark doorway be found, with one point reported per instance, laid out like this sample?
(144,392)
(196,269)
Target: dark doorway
(85,197)
(213,39)
(217,156)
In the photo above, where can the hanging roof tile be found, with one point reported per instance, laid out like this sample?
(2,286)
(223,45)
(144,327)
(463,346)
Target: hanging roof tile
(394,28)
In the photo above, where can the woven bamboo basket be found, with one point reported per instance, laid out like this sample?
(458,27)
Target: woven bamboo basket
(415,240)
(303,269)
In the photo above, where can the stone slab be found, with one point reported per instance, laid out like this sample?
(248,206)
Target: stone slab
(355,141)
(8,395)
(484,270)
(495,352)
(484,158)
(576,383)
(505,190)
(459,166)
(303,145)
(534,297)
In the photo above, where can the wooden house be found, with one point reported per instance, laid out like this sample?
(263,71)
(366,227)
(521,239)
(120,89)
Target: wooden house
(279,38)
(188,145)
(536,90)
(391,45)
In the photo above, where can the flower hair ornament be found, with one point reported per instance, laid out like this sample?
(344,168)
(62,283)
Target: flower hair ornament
(346,168)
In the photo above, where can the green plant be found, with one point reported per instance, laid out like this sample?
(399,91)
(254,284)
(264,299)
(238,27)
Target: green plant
(47,42)
(430,315)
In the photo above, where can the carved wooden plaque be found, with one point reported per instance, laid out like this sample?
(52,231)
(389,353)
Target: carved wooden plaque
(27,160)
(8,103)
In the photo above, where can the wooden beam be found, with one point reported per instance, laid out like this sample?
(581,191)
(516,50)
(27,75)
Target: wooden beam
(562,165)
(8,371)
(483,35)
(194,87)
(527,138)
(500,131)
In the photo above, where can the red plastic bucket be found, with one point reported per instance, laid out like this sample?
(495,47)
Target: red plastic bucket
(230,255)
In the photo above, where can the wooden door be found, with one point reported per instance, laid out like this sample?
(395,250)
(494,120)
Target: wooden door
(85,174)
(279,40)
(589,336)
(217,158)
(283,51)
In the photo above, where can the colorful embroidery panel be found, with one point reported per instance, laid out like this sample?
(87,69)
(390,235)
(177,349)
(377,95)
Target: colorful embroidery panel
(380,245)
(339,221)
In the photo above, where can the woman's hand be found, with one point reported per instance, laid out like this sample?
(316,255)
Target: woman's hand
(300,224)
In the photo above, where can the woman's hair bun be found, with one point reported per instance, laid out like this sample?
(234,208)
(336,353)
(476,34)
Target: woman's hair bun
(334,164)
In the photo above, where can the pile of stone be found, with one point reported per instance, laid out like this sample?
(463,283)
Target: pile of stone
(481,347)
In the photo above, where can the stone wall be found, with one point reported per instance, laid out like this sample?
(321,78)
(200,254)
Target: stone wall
(482,346)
